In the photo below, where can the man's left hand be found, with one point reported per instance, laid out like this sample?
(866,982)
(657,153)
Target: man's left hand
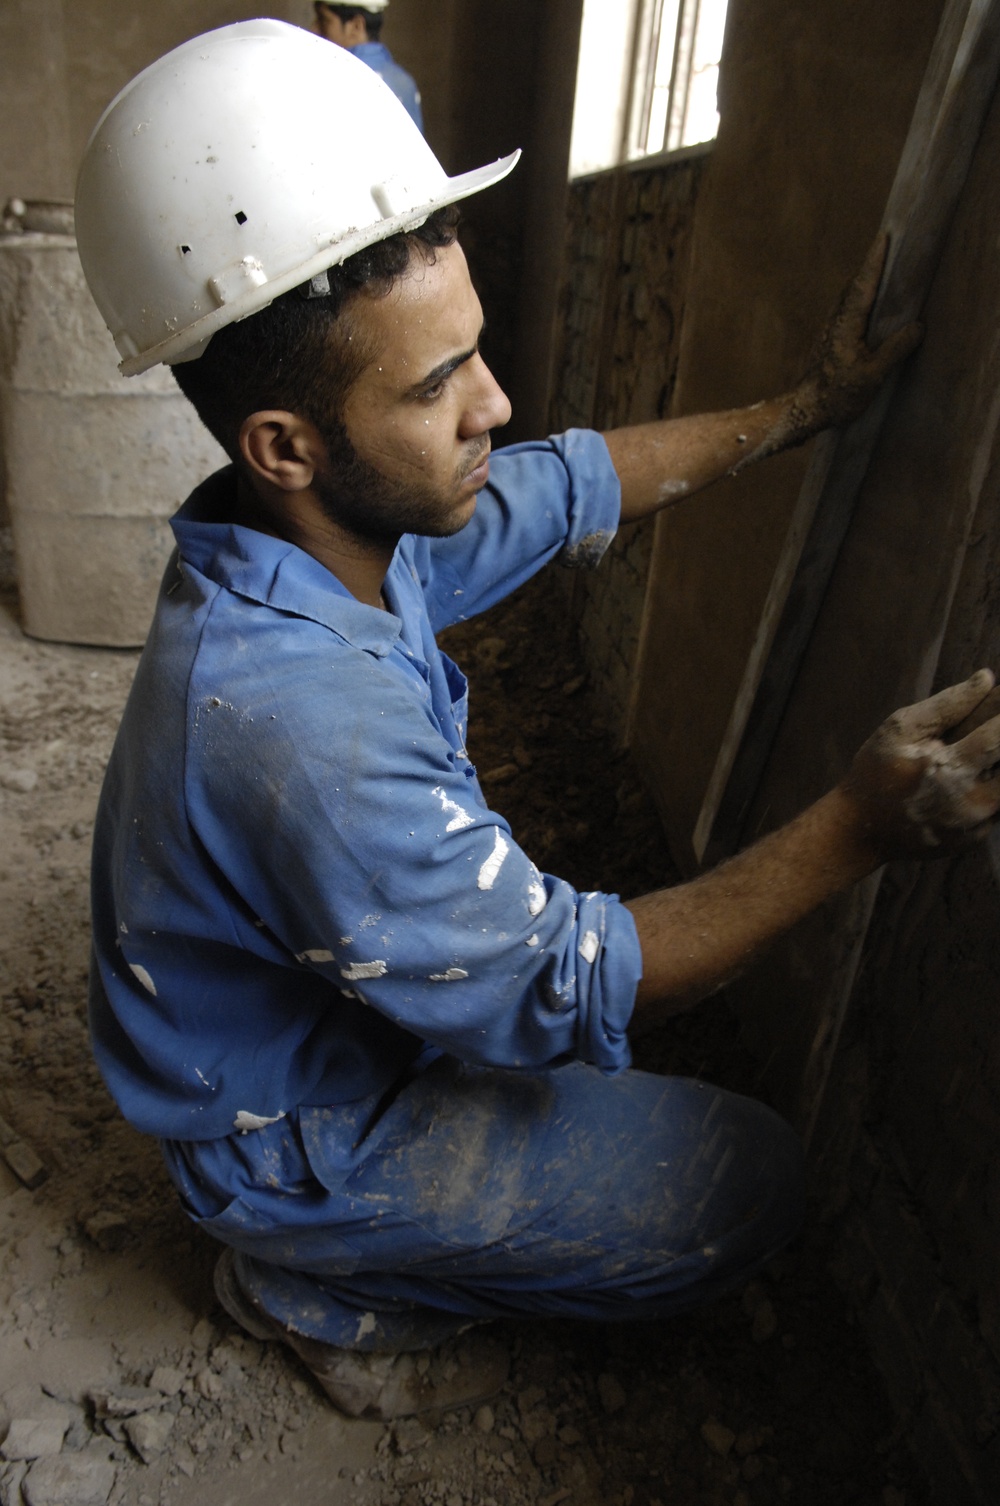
(845,372)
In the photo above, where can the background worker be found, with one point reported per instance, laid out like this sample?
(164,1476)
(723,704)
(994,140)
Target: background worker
(359,30)
(387,1059)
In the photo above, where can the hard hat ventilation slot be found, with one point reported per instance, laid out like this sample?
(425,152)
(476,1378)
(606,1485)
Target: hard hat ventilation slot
(240,217)
(185,250)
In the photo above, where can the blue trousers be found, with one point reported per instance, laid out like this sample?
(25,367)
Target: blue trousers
(473,1193)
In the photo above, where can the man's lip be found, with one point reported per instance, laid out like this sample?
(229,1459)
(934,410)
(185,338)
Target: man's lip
(481,474)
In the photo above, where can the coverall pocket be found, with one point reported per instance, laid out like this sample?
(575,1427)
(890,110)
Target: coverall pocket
(299,1244)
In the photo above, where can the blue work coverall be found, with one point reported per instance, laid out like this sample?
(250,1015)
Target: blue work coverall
(385,1056)
(403,85)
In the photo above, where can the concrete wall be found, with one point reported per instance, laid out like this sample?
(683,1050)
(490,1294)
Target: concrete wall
(510,84)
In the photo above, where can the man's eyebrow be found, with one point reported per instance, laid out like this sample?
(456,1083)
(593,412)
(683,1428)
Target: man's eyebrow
(446,368)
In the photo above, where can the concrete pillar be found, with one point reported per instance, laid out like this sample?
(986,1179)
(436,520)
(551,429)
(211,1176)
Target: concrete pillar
(95,464)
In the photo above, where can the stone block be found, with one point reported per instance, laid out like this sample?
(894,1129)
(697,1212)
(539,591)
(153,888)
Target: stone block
(69,1480)
(33,1438)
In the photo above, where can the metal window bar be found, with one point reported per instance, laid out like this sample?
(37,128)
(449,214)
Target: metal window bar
(653,61)
(648,20)
(688,17)
(664,56)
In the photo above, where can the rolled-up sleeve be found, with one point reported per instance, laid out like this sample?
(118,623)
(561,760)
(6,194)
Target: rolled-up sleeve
(339,815)
(552,499)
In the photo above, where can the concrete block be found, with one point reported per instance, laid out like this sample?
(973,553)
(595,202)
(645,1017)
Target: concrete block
(69,1480)
(33,1438)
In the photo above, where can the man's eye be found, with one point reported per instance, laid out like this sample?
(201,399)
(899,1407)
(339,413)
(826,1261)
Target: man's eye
(430,393)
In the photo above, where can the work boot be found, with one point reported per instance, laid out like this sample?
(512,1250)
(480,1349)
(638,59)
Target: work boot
(461,1372)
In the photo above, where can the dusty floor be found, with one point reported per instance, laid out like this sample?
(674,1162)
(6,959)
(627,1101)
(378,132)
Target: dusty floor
(120,1378)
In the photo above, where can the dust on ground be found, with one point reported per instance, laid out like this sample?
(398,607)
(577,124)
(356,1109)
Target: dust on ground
(122,1381)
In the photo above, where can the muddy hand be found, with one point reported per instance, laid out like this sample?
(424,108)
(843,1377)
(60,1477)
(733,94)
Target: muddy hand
(919,794)
(845,372)
(987,708)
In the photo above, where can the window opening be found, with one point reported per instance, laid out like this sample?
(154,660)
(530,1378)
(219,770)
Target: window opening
(646,79)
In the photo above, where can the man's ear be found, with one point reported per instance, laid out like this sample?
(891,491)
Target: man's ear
(281,449)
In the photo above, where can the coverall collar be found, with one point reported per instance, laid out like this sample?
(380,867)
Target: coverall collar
(273,571)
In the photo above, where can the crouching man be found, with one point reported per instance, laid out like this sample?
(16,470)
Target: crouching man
(386,1057)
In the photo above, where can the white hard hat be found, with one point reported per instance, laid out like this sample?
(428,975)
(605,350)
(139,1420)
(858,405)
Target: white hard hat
(240,165)
(372,6)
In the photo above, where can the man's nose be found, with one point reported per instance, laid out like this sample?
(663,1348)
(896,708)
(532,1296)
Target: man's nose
(489,407)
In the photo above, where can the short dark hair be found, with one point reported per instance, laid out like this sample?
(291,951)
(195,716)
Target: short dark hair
(373,19)
(301,352)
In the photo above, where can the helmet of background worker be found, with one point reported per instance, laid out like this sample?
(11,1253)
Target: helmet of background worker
(240,165)
(370,8)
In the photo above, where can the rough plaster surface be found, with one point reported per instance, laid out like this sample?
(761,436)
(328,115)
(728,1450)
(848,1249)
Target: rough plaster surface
(816,102)
(628,240)
(815,105)
(919,1065)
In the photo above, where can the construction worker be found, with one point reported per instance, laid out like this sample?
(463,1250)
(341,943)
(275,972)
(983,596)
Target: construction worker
(358,29)
(386,1057)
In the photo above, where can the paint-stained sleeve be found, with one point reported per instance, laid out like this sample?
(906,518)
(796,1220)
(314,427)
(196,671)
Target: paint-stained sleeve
(344,821)
(553,499)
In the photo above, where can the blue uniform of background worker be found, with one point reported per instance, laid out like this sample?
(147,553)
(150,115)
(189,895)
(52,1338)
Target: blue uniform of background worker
(358,30)
(386,1057)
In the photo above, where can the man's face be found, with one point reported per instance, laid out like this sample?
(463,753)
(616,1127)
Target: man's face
(418,418)
(347,34)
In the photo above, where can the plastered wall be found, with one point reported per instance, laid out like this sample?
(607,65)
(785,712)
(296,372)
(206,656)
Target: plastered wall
(627,255)
(907,1134)
(816,102)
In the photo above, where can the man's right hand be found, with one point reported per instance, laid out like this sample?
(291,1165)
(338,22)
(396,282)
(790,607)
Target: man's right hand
(927,782)
(845,372)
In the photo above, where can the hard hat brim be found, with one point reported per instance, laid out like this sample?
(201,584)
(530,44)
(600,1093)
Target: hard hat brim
(190,342)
